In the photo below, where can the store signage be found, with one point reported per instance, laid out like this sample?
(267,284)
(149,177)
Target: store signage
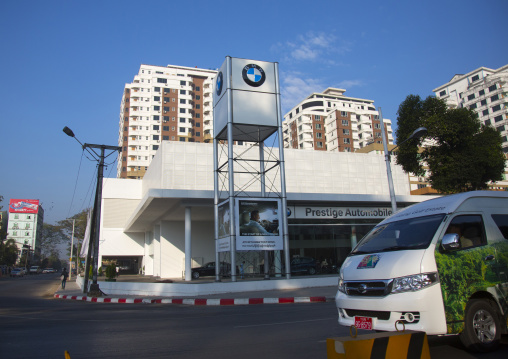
(340,212)
(24,206)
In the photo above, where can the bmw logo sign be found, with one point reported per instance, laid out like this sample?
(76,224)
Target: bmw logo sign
(218,84)
(253,75)
(289,212)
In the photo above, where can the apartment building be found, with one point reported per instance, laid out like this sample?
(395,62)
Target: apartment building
(172,103)
(483,90)
(331,121)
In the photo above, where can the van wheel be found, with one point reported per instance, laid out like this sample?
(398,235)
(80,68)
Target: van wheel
(195,275)
(482,327)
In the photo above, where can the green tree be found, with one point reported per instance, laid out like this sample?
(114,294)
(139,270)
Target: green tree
(464,155)
(79,221)
(8,252)
(51,238)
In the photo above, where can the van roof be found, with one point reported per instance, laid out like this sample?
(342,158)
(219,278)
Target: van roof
(446,204)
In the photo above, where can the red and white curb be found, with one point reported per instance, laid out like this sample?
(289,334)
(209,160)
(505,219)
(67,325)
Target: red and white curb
(197,301)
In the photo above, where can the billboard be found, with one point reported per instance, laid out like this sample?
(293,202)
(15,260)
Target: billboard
(224,240)
(258,224)
(24,206)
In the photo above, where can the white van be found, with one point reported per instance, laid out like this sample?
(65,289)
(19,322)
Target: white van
(439,266)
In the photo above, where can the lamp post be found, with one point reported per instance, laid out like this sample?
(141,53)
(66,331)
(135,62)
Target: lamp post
(94,244)
(418,133)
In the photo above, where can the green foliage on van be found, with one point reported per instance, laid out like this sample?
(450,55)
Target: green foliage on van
(464,273)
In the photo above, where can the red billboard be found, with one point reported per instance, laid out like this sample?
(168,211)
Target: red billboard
(24,206)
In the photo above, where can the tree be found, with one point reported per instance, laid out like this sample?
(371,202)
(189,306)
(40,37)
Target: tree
(464,154)
(8,252)
(51,238)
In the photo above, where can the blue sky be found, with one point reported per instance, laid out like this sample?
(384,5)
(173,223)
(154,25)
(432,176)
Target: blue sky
(65,63)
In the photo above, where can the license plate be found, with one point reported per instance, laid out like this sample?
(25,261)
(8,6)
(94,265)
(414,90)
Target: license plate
(363,323)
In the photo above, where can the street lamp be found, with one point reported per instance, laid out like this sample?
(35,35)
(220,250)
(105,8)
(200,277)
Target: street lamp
(94,244)
(418,133)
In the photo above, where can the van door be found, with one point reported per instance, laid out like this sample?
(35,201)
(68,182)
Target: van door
(466,270)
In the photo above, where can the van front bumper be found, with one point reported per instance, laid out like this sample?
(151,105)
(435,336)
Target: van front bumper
(425,307)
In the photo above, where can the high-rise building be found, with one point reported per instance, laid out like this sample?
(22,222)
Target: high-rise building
(26,217)
(483,90)
(330,121)
(172,103)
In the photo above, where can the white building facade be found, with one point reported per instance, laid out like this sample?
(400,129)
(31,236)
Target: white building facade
(172,103)
(333,200)
(331,121)
(483,90)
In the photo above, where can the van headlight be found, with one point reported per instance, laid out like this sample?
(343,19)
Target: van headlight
(342,285)
(413,283)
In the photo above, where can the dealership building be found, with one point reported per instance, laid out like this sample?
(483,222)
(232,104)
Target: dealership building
(152,225)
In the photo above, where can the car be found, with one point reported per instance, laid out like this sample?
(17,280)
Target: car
(304,265)
(18,272)
(208,269)
(35,270)
(48,270)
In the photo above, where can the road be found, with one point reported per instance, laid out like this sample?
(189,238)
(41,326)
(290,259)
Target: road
(35,325)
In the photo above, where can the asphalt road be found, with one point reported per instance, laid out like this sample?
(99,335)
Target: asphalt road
(35,325)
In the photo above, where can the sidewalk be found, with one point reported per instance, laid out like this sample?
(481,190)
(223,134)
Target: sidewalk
(72,291)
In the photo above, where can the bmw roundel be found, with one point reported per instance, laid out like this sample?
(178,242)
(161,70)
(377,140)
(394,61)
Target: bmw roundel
(253,75)
(218,84)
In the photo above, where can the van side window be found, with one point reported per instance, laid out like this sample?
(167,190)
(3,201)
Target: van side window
(502,223)
(470,230)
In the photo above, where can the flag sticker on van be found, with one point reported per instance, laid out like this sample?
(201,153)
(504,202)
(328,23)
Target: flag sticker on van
(369,261)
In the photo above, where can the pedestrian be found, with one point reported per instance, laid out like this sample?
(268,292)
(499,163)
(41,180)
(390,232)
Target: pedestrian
(241,269)
(64,277)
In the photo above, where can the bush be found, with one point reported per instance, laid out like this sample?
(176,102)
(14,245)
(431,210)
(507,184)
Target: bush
(111,271)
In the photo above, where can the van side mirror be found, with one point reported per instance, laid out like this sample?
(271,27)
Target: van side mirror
(450,242)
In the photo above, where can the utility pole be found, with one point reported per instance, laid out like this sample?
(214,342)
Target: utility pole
(93,248)
(72,245)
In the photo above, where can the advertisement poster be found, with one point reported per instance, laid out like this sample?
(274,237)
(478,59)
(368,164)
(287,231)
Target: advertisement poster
(224,240)
(258,224)
(24,206)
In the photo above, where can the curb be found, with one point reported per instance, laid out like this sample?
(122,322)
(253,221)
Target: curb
(197,301)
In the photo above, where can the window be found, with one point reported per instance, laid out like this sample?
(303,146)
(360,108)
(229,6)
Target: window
(182,110)
(319,135)
(155,147)
(198,88)
(173,99)
(319,144)
(343,113)
(162,81)
(156,108)
(485,112)
(165,128)
(198,134)
(181,129)
(157,98)
(494,98)
(475,78)
(182,120)
(166,108)
(198,124)
(442,93)
(182,92)
(483,102)
(502,223)
(198,97)
(166,118)
(198,115)
(198,106)
(345,123)
(469,228)
(346,140)
(182,100)
(472,107)
(470,97)
(182,83)
(496,108)
(155,137)
(165,138)
(481,93)
(377,126)
(487,122)
(156,127)
(156,117)
(493,88)
(498,118)
(155,89)
(166,99)
(318,126)
(345,132)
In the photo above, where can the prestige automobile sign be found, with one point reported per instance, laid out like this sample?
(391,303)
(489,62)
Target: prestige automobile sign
(24,206)
(340,212)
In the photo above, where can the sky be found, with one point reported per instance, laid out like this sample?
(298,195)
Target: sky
(66,63)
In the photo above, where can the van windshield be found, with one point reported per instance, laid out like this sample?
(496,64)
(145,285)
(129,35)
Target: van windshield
(413,233)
